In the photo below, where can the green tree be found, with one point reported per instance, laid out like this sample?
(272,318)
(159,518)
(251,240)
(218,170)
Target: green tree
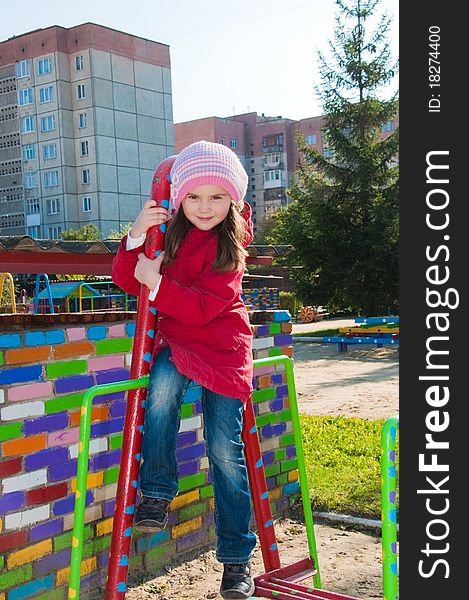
(343,221)
(118,234)
(84,233)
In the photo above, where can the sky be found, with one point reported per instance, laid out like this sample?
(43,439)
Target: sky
(226,57)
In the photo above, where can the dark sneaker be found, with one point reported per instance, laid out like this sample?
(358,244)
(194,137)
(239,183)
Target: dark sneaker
(237,581)
(151,514)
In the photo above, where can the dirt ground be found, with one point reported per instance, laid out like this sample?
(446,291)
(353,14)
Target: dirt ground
(361,382)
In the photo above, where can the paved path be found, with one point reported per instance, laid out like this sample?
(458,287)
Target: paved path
(324,324)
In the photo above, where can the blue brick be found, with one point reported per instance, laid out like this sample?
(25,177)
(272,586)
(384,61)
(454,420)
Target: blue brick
(271,483)
(130,329)
(282,315)
(262,330)
(283,339)
(55,336)
(106,398)
(10,340)
(74,383)
(117,409)
(266,431)
(31,588)
(63,471)
(45,530)
(67,505)
(186,437)
(193,393)
(268,458)
(107,427)
(108,507)
(54,422)
(279,428)
(53,562)
(291,488)
(276,405)
(35,338)
(291,452)
(190,452)
(104,460)
(45,458)
(13,501)
(198,408)
(97,332)
(188,468)
(281,390)
(21,375)
(112,375)
(277,378)
(150,541)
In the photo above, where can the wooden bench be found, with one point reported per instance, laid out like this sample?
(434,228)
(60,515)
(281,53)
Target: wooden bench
(342,342)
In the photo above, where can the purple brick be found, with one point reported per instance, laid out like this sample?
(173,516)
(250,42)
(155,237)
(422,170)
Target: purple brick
(13,501)
(65,506)
(106,427)
(271,483)
(93,582)
(47,423)
(279,428)
(190,452)
(45,530)
(198,409)
(45,458)
(277,378)
(73,383)
(255,383)
(108,507)
(192,540)
(281,391)
(282,504)
(108,398)
(262,330)
(186,437)
(117,409)
(266,431)
(103,559)
(209,477)
(283,340)
(291,452)
(276,405)
(62,471)
(104,460)
(208,519)
(112,375)
(53,562)
(268,458)
(188,468)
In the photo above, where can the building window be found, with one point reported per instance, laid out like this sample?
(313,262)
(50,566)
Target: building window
(233,143)
(25,96)
(32,206)
(85,176)
(29,152)
(44,66)
(48,123)
(222,141)
(272,175)
(33,231)
(30,180)
(272,159)
(82,120)
(86,204)
(84,148)
(51,179)
(46,94)
(79,63)
(54,232)
(81,91)
(49,151)
(328,153)
(252,170)
(53,206)
(389,126)
(310,139)
(27,124)
(23,68)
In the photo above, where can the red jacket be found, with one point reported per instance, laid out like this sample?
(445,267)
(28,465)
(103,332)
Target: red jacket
(200,313)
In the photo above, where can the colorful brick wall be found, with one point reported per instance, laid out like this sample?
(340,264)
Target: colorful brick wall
(43,376)
(262,298)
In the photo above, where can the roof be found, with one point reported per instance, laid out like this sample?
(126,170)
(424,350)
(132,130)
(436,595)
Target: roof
(67,288)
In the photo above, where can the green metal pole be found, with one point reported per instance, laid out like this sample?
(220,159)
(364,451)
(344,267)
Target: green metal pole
(82,472)
(388,508)
(295,417)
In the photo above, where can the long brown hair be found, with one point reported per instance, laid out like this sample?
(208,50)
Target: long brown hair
(231,236)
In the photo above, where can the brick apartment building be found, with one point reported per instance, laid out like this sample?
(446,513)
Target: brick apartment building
(85,117)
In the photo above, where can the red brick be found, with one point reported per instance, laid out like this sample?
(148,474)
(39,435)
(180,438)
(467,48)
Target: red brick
(13,540)
(10,467)
(46,494)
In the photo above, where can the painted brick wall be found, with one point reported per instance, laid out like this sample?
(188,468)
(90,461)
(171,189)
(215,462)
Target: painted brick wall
(43,376)
(262,298)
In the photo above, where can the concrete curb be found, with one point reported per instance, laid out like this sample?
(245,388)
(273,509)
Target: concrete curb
(339,519)
(300,338)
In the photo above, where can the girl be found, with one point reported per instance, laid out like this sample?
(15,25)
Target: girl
(203,335)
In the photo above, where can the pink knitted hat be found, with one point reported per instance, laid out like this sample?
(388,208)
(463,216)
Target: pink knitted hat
(207,163)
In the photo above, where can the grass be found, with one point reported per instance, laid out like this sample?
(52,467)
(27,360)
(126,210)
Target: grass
(321,333)
(343,464)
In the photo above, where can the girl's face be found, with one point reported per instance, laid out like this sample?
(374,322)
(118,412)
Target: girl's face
(206,206)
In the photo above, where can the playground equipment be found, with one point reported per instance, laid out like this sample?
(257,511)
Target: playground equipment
(371,330)
(9,278)
(388,508)
(312,314)
(48,293)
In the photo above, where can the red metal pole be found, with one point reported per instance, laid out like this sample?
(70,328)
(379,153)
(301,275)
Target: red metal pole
(146,324)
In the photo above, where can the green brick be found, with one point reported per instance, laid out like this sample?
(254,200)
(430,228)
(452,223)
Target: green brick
(10,432)
(212,532)
(136,562)
(193,481)
(158,556)
(272,470)
(275,352)
(57,594)
(275,328)
(111,475)
(289,465)
(97,545)
(282,479)
(263,395)
(113,346)
(68,367)
(187,410)
(265,419)
(15,577)
(2,562)
(63,403)
(284,415)
(65,539)
(280,454)
(206,492)
(287,439)
(115,441)
(1,358)
(192,511)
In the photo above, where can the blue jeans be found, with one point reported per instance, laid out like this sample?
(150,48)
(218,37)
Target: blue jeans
(223,419)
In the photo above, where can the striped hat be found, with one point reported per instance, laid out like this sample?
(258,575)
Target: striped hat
(207,163)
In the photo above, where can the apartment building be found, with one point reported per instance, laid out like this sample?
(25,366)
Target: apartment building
(85,118)
(268,149)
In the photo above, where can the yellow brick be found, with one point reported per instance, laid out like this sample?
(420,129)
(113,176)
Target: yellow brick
(211,503)
(184,499)
(2,596)
(275,494)
(104,527)
(93,480)
(1,529)
(87,566)
(186,527)
(293,475)
(29,554)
